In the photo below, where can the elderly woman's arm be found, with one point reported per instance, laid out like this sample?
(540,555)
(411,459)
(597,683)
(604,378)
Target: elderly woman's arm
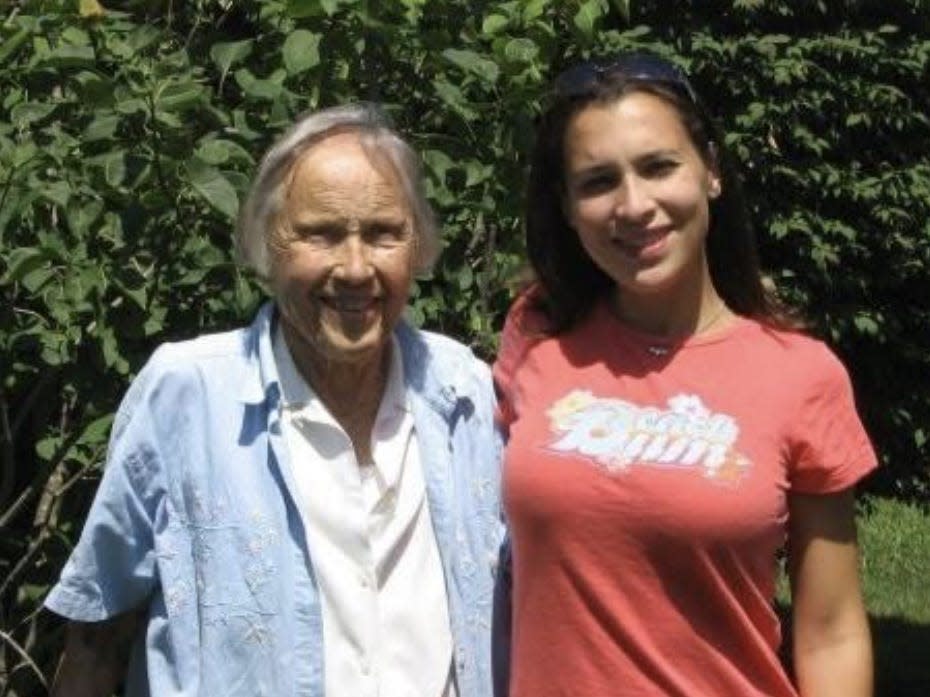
(95,657)
(832,645)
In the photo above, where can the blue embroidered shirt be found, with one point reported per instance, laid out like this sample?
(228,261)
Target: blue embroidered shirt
(195,518)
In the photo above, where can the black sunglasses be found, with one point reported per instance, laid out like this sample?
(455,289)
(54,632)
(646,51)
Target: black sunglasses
(583,79)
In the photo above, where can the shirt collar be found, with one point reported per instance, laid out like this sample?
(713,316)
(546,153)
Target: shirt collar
(439,388)
(261,384)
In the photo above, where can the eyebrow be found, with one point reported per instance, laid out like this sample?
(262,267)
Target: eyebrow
(316,221)
(598,167)
(592,170)
(658,154)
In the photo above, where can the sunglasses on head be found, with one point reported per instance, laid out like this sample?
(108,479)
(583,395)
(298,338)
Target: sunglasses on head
(583,79)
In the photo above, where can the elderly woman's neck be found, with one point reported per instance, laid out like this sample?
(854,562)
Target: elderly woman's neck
(350,390)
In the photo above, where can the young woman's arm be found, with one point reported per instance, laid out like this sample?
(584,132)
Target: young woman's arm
(832,644)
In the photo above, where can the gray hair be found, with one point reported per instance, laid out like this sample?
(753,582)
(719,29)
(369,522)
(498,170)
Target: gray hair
(266,195)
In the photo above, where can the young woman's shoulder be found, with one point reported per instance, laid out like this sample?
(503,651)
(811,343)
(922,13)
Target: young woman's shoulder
(524,326)
(796,353)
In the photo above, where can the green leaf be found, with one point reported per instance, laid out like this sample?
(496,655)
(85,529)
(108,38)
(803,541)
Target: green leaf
(521,50)
(472,62)
(227,54)
(301,51)
(219,152)
(96,431)
(81,217)
(465,277)
(101,128)
(34,280)
(12,45)
(47,446)
(213,187)
(65,56)
(492,24)
(178,96)
(241,126)
(254,87)
(172,121)
(588,15)
(453,96)
(299,9)
(920,437)
(112,356)
(131,105)
(30,112)
(866,324)
(114,168)
(23,153)
(438,163)
(57,192)
(534,9)
(193,276)
(91,9)
(94,89)
(246,296)
(154,321)
(75,36)
(415,314)
(476,172)
(623,8)
(330,6)
(22,261)
(143,37)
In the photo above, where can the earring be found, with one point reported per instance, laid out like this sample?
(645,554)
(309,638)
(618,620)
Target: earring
(714,191)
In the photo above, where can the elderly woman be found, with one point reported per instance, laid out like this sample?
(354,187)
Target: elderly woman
(309,505)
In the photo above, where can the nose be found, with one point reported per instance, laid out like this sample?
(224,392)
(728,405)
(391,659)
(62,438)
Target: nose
(354,262)
(634,200)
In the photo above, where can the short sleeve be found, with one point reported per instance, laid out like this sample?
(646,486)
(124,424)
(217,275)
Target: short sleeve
(522,329)
(830,448)
(112,568)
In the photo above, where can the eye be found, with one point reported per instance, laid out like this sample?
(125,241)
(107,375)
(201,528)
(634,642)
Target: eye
(659,167)
(595,183)
(322,234)
(386,233)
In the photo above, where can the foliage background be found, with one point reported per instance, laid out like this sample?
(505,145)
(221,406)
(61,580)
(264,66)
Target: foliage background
(128,135)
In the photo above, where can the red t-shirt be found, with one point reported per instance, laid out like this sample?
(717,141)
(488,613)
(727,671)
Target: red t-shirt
(645,488)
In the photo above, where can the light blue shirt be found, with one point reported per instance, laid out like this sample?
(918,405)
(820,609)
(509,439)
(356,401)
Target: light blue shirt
(195,518)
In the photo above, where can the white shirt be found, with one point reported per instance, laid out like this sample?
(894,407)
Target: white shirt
(386,625)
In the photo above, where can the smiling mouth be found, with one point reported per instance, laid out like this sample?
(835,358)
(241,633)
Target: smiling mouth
(637,242)
(350,304)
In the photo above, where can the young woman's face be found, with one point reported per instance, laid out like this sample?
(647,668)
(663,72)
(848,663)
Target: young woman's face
(637,192)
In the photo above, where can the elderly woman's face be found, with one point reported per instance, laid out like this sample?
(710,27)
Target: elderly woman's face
(343,260)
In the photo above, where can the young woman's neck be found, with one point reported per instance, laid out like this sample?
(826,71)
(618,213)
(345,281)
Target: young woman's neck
(695,309)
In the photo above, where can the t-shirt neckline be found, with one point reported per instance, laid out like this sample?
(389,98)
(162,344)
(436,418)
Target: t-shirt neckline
(660,346)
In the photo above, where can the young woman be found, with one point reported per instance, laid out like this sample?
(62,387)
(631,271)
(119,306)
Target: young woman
(669,428)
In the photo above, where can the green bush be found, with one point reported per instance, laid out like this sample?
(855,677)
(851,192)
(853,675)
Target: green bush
(127,139)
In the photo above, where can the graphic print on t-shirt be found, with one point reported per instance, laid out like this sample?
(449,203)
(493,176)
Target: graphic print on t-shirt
(617,434)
